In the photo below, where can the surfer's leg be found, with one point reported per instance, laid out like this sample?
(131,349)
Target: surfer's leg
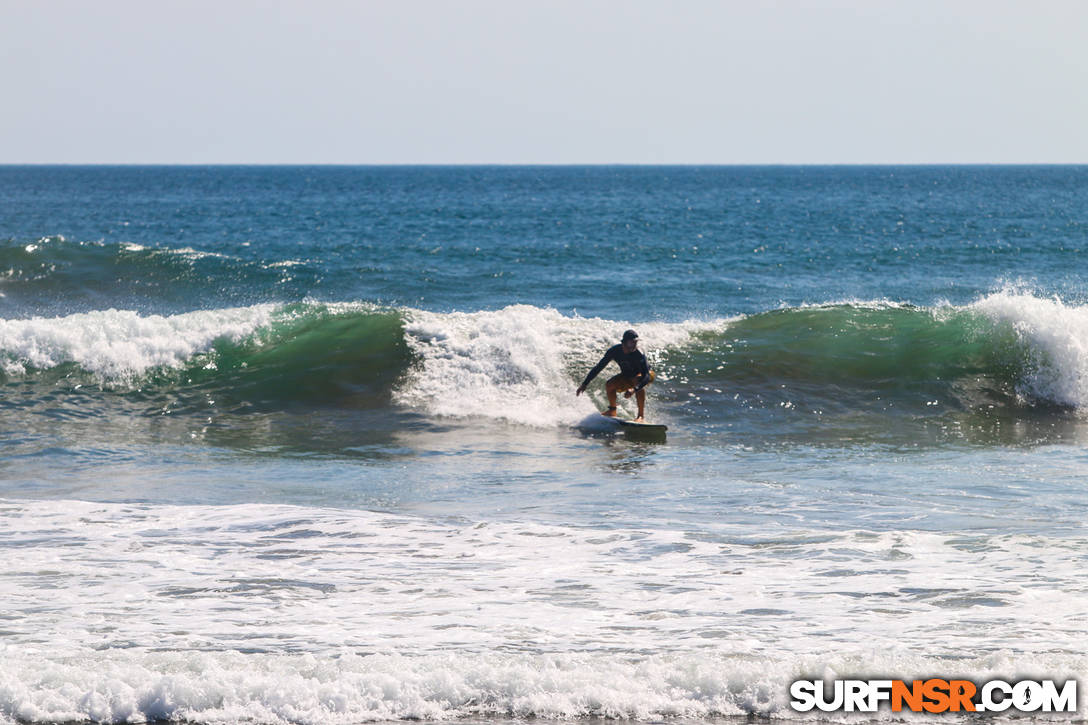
(640,397)
(611,388)
(614,385)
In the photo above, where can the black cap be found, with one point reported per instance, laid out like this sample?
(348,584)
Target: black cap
(630,335)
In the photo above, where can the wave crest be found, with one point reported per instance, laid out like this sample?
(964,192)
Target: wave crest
(522,363)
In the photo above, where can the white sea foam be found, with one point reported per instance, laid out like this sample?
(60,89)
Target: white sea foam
(122,612)
(285,263)
(192,254)
(520,363)
(119,344)
(136,686)
(1057,336)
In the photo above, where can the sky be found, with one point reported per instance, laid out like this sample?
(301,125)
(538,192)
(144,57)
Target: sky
(532,82)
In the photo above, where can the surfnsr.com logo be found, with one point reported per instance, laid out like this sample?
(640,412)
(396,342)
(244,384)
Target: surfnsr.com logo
(934,695)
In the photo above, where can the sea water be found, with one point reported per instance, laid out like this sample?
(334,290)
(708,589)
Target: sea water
(301,445)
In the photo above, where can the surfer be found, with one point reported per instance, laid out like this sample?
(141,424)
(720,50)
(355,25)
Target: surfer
(635,374)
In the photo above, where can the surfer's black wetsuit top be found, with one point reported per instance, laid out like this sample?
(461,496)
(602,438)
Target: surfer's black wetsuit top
(632,365)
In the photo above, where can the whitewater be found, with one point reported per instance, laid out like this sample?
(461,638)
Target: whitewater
(274,613)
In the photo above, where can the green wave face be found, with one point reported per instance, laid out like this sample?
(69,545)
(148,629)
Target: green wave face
(860,357)
(306,379)
(894,347)
(260,358)
(309,356)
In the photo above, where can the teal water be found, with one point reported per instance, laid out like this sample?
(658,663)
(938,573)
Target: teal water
(301,443)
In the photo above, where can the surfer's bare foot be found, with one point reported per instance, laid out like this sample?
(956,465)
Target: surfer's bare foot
(611,412)
(639,420)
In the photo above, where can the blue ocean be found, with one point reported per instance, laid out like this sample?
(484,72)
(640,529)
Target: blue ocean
(302,444)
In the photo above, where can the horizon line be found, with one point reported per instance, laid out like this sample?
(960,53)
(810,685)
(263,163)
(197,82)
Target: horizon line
(537,164)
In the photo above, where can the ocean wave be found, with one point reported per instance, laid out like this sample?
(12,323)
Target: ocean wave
(1054,337)
(1007,350)
(58,274)
(121,345)
(266,355)
(521,363)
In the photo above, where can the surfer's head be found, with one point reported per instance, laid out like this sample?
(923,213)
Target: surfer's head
(630,340)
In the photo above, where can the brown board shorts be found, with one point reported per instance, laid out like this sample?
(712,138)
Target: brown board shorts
(624,383)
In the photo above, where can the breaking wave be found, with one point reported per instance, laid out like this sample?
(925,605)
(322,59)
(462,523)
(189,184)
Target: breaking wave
(522,363)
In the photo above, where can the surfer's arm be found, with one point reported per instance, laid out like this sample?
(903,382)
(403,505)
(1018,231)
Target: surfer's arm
(596,369)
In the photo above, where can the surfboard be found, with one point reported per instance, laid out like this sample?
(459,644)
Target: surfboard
(597,423)
(648,427)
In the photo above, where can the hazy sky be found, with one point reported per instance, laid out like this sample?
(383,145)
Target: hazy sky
(901,81)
